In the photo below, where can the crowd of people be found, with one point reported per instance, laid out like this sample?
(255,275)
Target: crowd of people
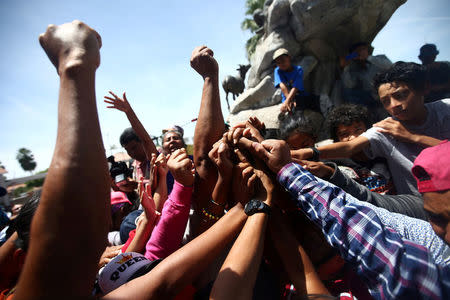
(247,216)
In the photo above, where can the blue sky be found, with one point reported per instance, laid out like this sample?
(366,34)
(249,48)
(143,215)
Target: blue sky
(146,50)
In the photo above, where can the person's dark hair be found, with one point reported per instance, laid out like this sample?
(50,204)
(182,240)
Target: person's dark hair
(355,46)
(412,74)
(21,224)
(127,136)
(296,123)
(346,115)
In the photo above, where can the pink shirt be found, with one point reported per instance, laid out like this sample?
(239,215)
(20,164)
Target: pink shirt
(168,233)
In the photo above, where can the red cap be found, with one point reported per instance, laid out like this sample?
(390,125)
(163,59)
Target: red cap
(119,197)
(432,168)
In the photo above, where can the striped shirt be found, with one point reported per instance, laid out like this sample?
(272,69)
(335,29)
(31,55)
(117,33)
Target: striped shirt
(391,267)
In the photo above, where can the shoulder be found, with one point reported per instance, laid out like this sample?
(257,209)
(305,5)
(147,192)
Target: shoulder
(373,134)
(298,69)
(440,104)
(440,109)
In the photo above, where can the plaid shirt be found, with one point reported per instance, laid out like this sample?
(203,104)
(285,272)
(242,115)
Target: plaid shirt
(392,267)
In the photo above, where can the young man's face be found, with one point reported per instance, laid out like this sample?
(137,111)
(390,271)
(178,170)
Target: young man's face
(284,62)
(135,150)
(437,205)
(299,140)
(347,133)
(172,141)
(400,101)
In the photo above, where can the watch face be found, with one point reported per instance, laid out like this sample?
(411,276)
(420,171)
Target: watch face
(254,206)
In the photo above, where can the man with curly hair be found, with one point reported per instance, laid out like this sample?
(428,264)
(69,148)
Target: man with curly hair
(412,126)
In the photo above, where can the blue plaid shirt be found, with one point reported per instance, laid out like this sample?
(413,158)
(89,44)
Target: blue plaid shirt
(391,267)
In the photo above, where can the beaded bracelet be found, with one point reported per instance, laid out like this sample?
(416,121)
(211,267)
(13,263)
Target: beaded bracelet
(218,204)
(209,215)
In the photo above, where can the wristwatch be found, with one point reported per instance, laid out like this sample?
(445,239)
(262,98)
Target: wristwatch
(316,154)
(256,206)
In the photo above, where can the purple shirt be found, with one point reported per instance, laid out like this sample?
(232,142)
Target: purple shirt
(391,267)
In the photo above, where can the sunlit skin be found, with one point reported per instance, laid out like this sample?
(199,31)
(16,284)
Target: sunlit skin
(284,63)
(403,103)
(172,141)
(298,140)
(136,150)
(437,205)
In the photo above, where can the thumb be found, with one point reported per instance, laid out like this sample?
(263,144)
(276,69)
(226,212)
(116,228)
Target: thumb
(261,151)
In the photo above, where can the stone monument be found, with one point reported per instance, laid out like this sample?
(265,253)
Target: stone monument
(317,34)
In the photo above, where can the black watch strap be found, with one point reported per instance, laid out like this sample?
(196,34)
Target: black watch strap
(316,154)
(256,206)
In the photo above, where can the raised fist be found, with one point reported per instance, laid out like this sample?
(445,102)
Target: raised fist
(202,61)
(72,46)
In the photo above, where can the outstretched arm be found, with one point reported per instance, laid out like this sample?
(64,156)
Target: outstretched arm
(182,267)
(335,150)
(296,262)
(122,104)
(237,276)
(77,185)
(210,125)
(396,129)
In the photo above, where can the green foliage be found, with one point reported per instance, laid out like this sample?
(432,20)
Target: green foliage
(26,159)
(35,183)
(20,190)
(250,24)
(251,44)
(253,5)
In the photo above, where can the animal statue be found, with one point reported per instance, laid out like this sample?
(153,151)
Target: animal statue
(235,84)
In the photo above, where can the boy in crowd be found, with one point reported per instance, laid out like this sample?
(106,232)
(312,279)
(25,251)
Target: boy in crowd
(347,122)
(289,78)
(400,138)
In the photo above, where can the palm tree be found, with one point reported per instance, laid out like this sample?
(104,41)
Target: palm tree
(250,24)
(26,159)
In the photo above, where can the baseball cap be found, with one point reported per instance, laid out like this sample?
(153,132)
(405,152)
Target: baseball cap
(119,197)
(279,53)
(432,168)
(123,268)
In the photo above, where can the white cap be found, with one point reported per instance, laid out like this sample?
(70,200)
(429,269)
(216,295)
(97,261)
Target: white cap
(120,269)
(279,53)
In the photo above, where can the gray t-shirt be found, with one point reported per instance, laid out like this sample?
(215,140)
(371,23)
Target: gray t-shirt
(400,155)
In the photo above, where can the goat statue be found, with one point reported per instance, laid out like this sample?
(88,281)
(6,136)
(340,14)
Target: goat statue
(235,84)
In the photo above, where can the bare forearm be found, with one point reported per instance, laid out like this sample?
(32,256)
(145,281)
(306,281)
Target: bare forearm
(291,94)
(143,233)
(210,124)
(136,124)
(295,260)
(284,90)
(183,266)
(76,188)
(220,193)
(238,273)
(425,141)
(335,150)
